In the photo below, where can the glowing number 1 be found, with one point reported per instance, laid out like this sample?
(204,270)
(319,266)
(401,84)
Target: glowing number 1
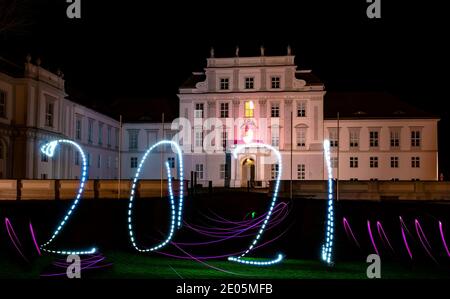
(176,214)
(328,246)
(279,258)
(48,149)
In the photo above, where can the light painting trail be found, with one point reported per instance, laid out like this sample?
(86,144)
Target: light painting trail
(426,245)
(383,236)
(48,149)
(327,248)
(369,229)
(279,258)
(349,231)
(176,213)
(443,239)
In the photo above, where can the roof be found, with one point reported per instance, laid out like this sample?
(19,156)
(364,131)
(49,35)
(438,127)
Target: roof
(10,68)
(308,76)
(369,105)
(193,80)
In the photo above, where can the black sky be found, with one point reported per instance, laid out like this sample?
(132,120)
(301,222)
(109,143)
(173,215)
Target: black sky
(123,53)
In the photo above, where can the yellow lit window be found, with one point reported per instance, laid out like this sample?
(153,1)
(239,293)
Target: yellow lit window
(249,108)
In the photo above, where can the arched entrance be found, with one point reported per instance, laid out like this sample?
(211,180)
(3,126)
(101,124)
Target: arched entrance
(248,172)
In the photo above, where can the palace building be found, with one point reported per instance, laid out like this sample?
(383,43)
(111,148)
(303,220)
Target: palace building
(233,101)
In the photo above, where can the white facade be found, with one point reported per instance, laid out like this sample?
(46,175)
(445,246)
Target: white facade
(34,110)
(233,101)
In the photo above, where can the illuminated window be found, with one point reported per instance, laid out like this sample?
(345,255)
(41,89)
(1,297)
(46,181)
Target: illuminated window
(171,161)
(249,108)
(301,137)
(354,138)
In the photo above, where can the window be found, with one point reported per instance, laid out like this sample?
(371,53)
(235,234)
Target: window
(108,136)
(275,110)
(224,139)
(78,129)
(133,139)
(100,134)
(108,162)
(415,138)
(333,137)
(224,110)
(44,157)
(354,138)
(199,170)
(224,83)
(415,162)
(249,83)
(334,162)
(88,159)
(275,82)
(249,108)
(301,173)
(116,162)
(198,138)
(49,110)
(301,109)
(373,162)
(90,130)
(99,161)
(395,138)
(353,162)
(373,138)
(301,137)
(274,171)
(171,161)
(77,158)
(394,162)
(198,113)
(275,136)
(133,162)
(222,171)
(2,104)
(43,176)
(116,137)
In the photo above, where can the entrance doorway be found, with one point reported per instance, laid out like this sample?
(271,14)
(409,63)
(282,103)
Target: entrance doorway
(248,172)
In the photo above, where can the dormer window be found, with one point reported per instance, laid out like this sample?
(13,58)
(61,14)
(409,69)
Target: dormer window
(224,83)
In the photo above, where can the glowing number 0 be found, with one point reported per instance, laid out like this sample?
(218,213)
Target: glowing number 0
(279,258)
(48,149)
(176,214)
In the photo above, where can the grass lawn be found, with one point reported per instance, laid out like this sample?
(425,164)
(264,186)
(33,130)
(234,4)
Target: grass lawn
(133,265)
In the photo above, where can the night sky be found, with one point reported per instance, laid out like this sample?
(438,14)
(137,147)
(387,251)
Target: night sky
(125,53)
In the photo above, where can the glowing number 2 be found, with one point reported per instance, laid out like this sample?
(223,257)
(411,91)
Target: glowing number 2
(176,214)
(279,258)
(48,149)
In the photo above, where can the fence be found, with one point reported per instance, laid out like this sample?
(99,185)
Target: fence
(368,190)
(94,189)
